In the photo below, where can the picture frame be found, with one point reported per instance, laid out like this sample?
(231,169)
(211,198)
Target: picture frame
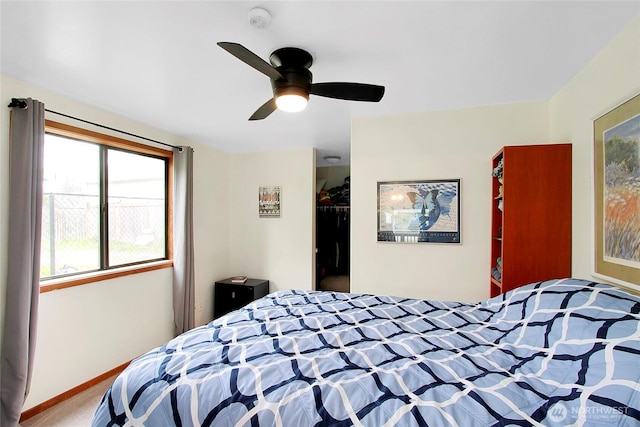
(269,201)
(616,143)
(424,211)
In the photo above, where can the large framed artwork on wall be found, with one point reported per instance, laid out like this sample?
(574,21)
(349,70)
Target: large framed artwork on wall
(617,193)
(419,211)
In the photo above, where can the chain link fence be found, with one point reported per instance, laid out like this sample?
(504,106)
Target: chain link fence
(71,232)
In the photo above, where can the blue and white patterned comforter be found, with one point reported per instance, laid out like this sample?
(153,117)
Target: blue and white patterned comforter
(554,353)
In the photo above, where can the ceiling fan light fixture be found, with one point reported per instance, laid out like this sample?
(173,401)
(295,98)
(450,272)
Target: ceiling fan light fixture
(291,102)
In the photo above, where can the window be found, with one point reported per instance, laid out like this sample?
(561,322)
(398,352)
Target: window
(106,204)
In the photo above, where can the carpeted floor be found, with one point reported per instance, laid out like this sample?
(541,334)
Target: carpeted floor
(75,412)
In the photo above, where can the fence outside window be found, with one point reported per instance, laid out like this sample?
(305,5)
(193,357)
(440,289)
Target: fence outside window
(71,232)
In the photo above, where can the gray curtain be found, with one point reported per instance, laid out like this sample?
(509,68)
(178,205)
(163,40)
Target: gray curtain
(23,273)
(183,259)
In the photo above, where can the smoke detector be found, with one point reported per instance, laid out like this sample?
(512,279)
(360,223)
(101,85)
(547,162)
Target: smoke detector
(259,18)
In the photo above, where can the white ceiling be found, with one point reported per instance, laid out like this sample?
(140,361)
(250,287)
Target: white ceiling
(157,61)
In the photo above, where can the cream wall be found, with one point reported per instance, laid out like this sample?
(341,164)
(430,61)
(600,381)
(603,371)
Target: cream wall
(611,77)
(277,249)
(460,143)
(433,145)
(87,330)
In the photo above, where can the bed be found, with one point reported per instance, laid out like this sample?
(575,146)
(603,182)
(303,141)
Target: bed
(550,353)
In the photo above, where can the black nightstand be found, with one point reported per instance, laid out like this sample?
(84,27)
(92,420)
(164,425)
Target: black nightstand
(230,296)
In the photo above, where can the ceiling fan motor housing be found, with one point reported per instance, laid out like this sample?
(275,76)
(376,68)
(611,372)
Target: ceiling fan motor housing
(297,81)
(292,57)
(293,64)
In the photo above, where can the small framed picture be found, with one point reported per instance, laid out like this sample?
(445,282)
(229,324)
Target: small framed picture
(269,202)
(419,211)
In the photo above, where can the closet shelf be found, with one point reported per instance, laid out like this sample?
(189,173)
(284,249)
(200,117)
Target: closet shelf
(332,207)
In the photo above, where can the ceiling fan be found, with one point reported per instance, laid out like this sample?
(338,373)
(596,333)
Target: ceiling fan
(291,80)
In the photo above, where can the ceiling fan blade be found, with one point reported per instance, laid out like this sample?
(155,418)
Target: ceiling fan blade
(264,111)
(250,58)
(348,91)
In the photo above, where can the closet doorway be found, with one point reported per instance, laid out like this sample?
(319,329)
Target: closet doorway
(333,223)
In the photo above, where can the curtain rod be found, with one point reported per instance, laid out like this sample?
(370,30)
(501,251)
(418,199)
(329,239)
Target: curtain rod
(20,103)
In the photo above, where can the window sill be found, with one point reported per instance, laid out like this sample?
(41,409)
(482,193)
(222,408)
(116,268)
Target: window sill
(97,276)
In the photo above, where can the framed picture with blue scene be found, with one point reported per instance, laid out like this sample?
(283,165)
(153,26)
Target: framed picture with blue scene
(426,211)
(616,142)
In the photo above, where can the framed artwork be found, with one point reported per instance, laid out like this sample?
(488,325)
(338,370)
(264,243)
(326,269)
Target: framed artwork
(419,211)
(617,193)
(269,202)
